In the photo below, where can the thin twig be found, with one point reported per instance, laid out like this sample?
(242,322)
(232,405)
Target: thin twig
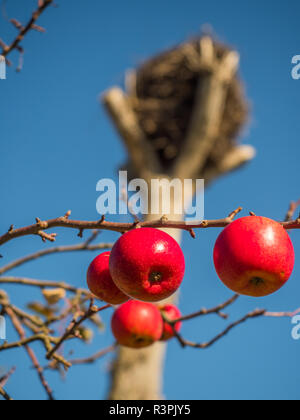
(71,309)
(21,332)
(217,310)
(54,250)
(3,382)
(43,284)
(94,358)
(5,395)
(44,339)
(23,30)
(21,343)
(255,314)
(282,314)
(187,343)
(292,210)
(71,330)
(6,377)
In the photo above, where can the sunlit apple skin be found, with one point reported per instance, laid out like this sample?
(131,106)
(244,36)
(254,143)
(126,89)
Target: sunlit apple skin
(147,264)
(137,324)
(254,256)
(171,312)
(100,282)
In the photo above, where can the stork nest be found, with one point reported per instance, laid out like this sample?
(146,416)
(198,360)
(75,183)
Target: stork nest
(164,98)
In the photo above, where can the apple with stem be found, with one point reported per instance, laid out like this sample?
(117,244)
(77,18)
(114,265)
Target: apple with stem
(100,282)
(137,324)
(147,264)
(254,256)
(170,313)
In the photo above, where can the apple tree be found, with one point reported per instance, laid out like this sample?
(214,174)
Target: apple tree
(179,118)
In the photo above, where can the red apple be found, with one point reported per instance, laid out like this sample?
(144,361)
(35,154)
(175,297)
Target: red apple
(147,264)
(137,324)
(171,313)
(254,256)
(100,282)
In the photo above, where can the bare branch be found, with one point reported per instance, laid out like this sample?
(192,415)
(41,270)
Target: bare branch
(292,210)
(24,342)
(71,330)
(55,250)
(123,227)
(34,322)
(23,30)
(255,314)
(21,332)
(94,358)
(282,314)
(5,395)
(42,284)
(186,343)
(5,378)
(217,310)
(44,339)
(70,310)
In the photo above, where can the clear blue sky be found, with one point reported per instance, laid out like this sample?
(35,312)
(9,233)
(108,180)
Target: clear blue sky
(56,143)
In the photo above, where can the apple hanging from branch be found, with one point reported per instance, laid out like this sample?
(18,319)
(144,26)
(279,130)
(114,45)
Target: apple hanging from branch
(254,256)
(147,264)
(137,324)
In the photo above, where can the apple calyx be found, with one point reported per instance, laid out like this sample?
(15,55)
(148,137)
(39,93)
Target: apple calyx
(155,277)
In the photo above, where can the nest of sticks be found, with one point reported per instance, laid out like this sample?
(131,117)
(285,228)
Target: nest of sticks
(163,98)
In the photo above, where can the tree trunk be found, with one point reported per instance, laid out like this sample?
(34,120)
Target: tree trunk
(137,374)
